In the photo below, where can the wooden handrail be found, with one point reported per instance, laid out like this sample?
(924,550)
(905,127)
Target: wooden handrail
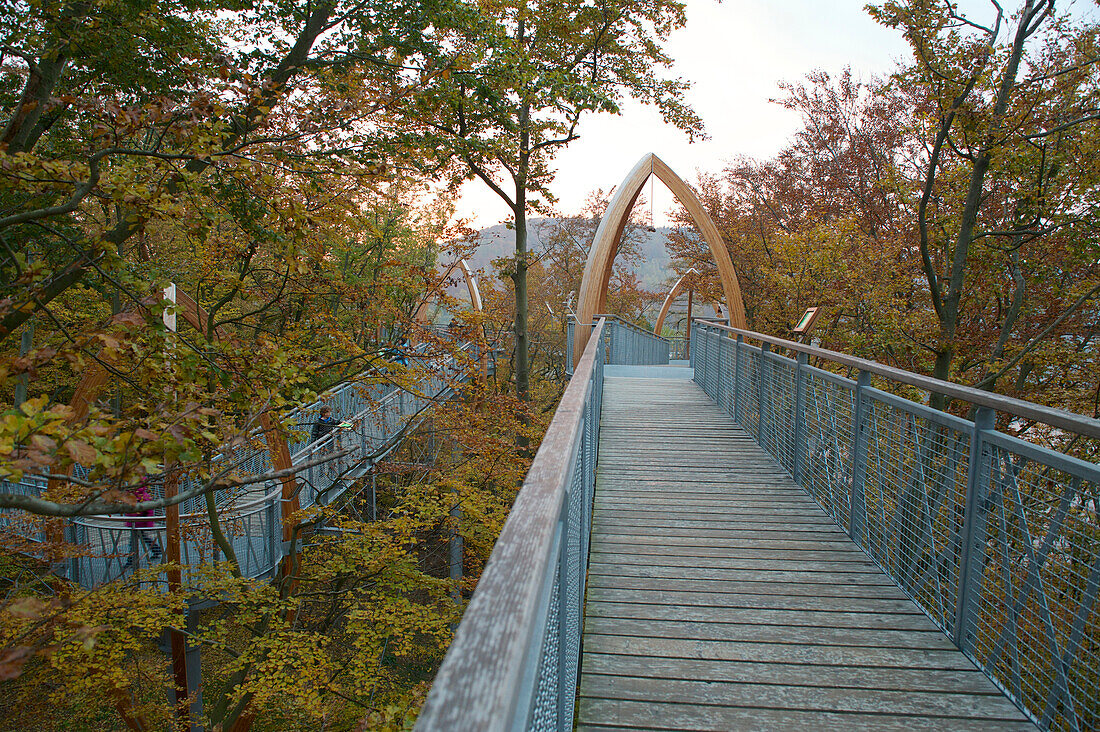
(483,680)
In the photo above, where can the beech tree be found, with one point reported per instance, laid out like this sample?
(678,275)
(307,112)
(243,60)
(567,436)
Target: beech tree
(1009,108)
(940,228)
(241,164)
(517,95)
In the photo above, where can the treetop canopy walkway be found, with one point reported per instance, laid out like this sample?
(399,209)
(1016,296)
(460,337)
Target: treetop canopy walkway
(767,543)
(373,419)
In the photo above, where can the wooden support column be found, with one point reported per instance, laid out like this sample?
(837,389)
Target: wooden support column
(185,662)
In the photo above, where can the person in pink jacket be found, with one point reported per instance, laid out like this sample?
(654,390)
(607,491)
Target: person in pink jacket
(139,523)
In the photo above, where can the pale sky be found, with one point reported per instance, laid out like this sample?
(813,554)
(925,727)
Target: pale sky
(735,52)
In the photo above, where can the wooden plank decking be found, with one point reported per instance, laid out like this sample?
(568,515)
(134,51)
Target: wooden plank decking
(721,597)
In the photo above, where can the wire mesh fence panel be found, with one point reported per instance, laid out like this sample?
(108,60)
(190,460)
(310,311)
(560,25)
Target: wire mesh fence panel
(20,525)
(570,335)
(113,550)
(826,459)
(726,375)
(545,710)
(914,493)
(249,533)
(571,582)
(629,345)
(533,586)
(996,539)
(1035,625)
(709,344)
(373,416)
(778,391)
(748,388)
(559,663)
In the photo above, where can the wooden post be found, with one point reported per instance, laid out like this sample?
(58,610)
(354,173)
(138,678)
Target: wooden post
(177,640)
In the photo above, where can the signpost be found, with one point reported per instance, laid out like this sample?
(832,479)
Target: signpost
(807,320)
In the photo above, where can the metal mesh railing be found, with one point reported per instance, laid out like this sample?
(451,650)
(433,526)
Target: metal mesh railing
(515,658)
(995,538)
(373,418)
(626,344)
(824,456)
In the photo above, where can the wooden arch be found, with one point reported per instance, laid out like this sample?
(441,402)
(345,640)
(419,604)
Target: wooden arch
(424,310)
(672,297)
(597,270)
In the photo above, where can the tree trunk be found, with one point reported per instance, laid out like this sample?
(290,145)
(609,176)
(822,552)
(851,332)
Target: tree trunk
(952,300)
(519,210)
(523,365)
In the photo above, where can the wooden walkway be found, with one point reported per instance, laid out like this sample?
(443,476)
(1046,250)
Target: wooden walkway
(720,597)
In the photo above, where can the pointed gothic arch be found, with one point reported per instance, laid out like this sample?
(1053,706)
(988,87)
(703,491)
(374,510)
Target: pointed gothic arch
(597,270)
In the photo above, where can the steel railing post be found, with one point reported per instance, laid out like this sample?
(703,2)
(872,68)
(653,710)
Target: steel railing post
(970,574)
(311,476)
(761,394)
(570,331)
(701,335)
(275,532)
(708,360)
(737,376)
(718,386)
(690,351)
(73,537)
(799,409)
(616,342)
(135,549)
(857,511)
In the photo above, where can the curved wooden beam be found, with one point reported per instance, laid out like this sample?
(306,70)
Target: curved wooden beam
(672,297)
(471,285)
(597,269)
(424,310)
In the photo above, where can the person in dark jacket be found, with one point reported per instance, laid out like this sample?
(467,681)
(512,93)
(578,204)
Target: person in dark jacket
(323,425)
(139,525)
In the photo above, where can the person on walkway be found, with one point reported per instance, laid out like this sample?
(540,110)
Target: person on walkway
(402,352)
(324,424)
(139,528)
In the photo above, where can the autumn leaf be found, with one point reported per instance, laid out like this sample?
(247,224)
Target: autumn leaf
(13,660)
(81,452)
(29,608)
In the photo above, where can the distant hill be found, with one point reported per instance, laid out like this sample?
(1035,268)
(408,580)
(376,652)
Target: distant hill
(500,241)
